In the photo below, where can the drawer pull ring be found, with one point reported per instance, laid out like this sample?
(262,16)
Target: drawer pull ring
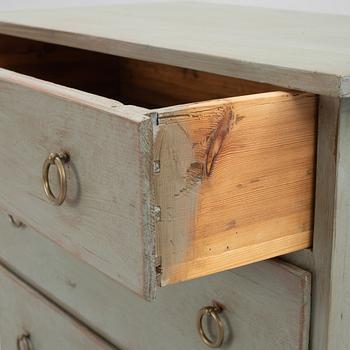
(212,311)
(57,159)
(24,343)
(15,222)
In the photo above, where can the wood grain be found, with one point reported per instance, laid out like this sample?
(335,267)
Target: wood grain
(106,220)
(269,300)
(23,310)
(155,85)
(278,47)
(236,182)
(130,81)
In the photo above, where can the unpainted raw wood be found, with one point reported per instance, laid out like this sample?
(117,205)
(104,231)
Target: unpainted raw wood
(106,219)
(236,182)
(269,300)
(155,85)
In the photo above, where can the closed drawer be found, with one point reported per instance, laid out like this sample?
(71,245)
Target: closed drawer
(28,318)
(266,305)
(160,196)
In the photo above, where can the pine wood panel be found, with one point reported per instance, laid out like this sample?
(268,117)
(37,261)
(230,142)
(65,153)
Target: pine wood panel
(24,311)
(106,219)
(236,182)
(155,85)
(267,305)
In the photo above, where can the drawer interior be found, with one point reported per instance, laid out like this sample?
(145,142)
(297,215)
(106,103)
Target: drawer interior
(130,81)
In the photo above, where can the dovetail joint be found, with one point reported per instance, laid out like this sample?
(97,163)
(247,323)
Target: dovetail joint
(158,263)
(159,269)
(156,166)
(157,214)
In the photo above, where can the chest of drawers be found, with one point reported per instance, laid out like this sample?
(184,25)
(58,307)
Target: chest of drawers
(179,156)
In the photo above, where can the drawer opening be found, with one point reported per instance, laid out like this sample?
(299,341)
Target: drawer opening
(130,81)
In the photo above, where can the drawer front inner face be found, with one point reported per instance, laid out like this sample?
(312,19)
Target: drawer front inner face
(28,316)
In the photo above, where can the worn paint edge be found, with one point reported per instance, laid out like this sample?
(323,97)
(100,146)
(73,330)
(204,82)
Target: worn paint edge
(147,208)
(75,96)
(345,86)
(238,257)
(291,78)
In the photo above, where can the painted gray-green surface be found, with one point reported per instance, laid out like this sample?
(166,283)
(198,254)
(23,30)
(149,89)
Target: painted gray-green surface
(290,49)
(267,305)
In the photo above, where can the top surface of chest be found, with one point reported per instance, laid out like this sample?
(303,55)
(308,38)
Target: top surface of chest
(290,49)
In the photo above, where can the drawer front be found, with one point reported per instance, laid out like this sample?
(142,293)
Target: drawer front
(29,318)
(105,219)
(266,305)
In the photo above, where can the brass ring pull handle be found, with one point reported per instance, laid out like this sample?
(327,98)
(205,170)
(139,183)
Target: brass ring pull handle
(24,343)
(57,159)
(15,222)
(211,311)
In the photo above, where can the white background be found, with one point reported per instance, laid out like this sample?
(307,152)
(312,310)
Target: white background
(328,6)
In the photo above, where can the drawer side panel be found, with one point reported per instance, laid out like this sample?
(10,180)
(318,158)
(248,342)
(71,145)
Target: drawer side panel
(236,181)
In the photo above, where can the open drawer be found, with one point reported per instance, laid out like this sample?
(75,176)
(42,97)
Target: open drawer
(158,195)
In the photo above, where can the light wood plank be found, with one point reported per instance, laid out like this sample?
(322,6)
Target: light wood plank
(25,311)
(293,50)
(267,305)
(106,220)
(155,85)
(236,182)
